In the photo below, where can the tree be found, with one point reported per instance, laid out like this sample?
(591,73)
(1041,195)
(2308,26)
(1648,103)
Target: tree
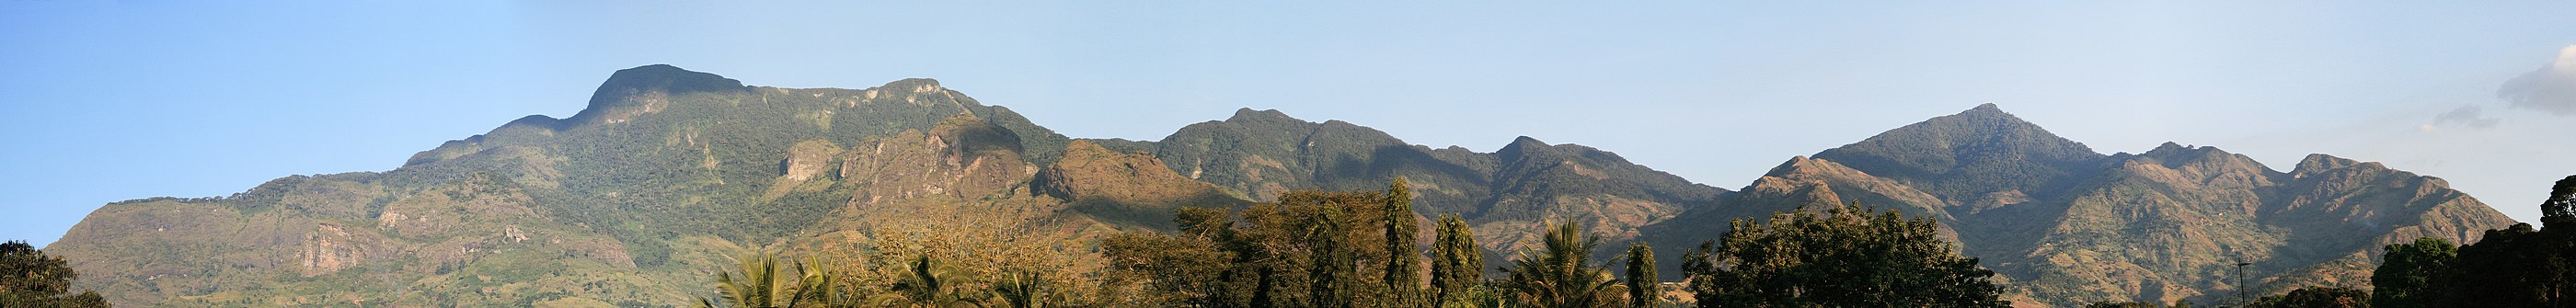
(2316,298)
(1561,275)
(2517,266)
(1333,270)
(1025,289)
(1402,288)
(2405,278)
(930,285)
(1306,249)
(29,278)
(762,285)
(1176,271)
(1844,257)
(1643,288)
(1457,264)
(2560,209)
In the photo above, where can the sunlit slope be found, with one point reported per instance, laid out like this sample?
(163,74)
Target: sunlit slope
(2070,226)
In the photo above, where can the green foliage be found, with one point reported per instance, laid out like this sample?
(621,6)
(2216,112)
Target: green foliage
(1845,257)
(1177,271)
(1643,289)
(29,278)
(1403,287)
(2560,209)
(1263,154)
(1332,270)
(2513,267)
(1562,275)
(1456,263)
(930,285)
(2316,298)
(1309,249)
(1026,289)
(763,284)
(2406,273)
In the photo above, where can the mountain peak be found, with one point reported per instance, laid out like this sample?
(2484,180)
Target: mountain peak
(657,78)
(2321,162)
(1527,141)
(667,78)
(1265,115)
(913,85)
(1969,151)
(1984,108)
(1521,147)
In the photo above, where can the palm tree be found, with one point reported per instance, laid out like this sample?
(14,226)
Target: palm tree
(1024,289)
(929,286)
(762,285)
(1561,274)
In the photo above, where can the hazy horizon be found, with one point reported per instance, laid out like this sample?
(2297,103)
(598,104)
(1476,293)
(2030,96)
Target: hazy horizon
(124,100)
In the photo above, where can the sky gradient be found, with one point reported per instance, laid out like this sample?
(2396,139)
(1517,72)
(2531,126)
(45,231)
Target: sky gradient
(109,101)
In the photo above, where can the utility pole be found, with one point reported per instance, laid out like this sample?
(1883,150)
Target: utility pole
(2240,283)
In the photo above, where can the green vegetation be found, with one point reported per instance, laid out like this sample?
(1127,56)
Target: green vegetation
(761,283)
(2068,226)
(1263,154)
(636,200)
(2406,273)
(1026,289)
(29,278)
(2511,267)
(1300,252)
(1309,249)
(1643,290)
(931,285)
(1457,265)
(1562,275)
(1844,257)
(2325,297)
(1403,270)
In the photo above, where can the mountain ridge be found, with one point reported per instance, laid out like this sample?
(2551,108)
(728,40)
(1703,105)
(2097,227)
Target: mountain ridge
(667,171)
(2072,226)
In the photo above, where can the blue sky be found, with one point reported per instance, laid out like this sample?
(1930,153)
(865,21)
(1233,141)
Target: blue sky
(107,101)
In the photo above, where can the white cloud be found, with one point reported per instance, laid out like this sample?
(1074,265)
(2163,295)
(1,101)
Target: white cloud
(2552,88)
(2471,116)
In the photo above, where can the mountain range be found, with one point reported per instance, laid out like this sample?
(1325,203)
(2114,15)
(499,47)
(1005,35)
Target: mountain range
(637,199)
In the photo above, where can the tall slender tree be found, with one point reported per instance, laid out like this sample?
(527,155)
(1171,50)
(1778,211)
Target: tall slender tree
(1333,270)
(1402,255)
(1456,263)
(1643,290)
